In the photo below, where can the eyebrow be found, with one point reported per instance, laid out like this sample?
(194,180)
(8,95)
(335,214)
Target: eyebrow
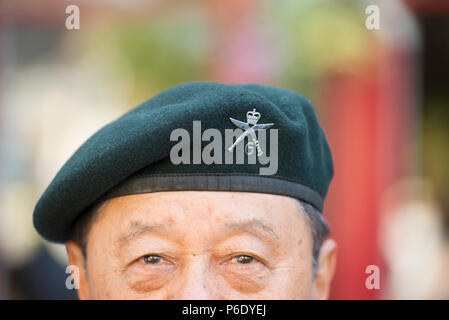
(254,227)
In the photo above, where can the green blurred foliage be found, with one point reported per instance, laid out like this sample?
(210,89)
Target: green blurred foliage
(156,55)
(321,37)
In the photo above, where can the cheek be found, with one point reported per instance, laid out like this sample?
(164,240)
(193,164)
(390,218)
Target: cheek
(292,278)
(289,282)
(108,284)
(103,277)
(295,281)
(98,276)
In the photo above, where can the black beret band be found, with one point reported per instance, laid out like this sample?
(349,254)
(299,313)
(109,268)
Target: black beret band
(216,182)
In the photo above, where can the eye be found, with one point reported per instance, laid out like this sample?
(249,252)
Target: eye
(242,259)
(152,259)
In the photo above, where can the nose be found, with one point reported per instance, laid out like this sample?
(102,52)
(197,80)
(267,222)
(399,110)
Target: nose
(197,281)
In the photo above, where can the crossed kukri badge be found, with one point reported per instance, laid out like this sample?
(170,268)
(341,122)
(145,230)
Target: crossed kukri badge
(250,128)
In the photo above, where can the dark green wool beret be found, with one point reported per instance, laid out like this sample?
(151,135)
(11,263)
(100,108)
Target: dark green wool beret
(196,136)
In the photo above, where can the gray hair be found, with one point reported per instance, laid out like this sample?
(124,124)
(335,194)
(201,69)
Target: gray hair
(319,228)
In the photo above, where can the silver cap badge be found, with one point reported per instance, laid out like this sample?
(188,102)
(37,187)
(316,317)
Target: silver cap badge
(250,128)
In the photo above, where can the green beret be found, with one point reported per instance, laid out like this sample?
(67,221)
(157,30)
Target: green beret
(172,143)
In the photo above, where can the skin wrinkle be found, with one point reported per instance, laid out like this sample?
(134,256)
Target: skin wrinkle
(198,234)
(139,228)
(255,227)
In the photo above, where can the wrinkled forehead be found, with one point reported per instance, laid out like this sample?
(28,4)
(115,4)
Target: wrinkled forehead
(192,210)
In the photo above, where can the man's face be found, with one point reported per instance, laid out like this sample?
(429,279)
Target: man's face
(202,245)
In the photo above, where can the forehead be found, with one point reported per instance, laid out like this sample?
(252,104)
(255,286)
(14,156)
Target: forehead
(179,206)
(198,221)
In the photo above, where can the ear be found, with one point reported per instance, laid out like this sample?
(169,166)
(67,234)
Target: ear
(76,258)
(325,269)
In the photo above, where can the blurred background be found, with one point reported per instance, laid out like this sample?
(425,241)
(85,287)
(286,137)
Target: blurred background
(382,96)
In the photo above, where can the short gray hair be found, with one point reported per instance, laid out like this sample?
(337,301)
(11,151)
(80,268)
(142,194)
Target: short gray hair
(319,228)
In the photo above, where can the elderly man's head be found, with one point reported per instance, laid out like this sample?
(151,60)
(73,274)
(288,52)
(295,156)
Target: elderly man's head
(202,245)
(175,199)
